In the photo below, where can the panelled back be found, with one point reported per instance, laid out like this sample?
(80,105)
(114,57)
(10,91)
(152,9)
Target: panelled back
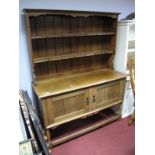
(67,43)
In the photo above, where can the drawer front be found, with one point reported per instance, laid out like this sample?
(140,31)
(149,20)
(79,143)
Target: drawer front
(108,94)
(65,107)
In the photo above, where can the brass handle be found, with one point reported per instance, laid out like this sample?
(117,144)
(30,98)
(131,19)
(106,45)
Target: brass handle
(87,101)
(94,99)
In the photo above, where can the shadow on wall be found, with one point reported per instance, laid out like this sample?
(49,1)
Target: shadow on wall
(130,16)
(25,70)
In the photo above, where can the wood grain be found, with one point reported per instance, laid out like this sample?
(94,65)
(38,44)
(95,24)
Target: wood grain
(77,81)
(72,55)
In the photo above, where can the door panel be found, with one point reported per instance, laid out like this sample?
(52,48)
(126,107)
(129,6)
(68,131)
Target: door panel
(59,109)
(67,106)
(108,94)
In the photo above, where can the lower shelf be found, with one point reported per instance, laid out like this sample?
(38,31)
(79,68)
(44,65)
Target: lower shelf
(79,127)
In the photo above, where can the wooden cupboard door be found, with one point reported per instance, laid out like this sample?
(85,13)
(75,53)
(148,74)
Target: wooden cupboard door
(107,94)
(66,107)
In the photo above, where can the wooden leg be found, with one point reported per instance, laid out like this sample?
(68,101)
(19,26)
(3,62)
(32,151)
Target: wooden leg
(132,119)
(48,135)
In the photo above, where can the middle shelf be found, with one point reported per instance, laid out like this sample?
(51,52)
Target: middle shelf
(73,35)
(70,55)
(51,49)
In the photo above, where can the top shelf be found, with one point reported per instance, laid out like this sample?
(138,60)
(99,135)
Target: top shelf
(73,35)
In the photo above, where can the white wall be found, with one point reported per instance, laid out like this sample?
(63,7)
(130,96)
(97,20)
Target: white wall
(123,6)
